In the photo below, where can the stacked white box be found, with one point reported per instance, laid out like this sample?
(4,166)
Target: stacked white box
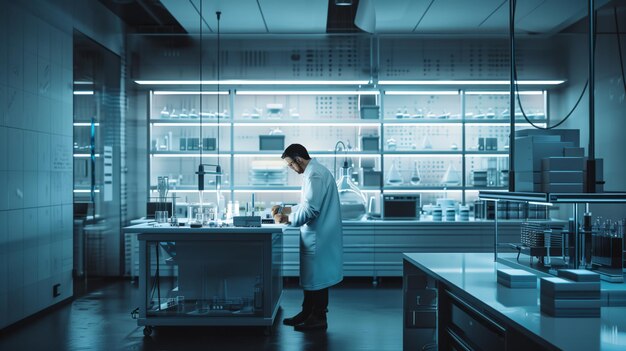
(566,298)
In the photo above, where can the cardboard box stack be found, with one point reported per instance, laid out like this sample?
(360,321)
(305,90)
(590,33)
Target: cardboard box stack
(575,293)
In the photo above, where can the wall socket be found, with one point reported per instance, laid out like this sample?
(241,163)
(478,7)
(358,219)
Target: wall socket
(56,290)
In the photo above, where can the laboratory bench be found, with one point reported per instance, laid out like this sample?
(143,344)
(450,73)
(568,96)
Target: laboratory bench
(213,276)
(373,248)
(453,301)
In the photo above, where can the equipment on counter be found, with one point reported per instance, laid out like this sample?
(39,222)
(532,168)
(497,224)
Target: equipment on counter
(247,221)
(267,172)
(401,206)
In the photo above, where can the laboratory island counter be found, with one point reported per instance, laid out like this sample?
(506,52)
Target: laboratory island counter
(372,248)
(454,301)
(213,276)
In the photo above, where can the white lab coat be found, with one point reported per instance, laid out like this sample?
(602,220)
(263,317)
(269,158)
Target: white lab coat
(321,236)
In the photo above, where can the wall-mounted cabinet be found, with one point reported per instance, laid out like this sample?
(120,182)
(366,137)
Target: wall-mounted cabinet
(439,143)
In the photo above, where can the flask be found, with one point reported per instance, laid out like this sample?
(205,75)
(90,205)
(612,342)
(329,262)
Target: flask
(351,198)
(415,175)
(393,176)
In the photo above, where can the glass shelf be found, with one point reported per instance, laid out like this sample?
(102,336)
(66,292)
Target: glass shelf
(438,130)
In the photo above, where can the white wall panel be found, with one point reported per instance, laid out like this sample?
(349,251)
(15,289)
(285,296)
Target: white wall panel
(3,145)
(14,103)
(4,190)
(31,104)
(15,187)
(30,75)
(15,143)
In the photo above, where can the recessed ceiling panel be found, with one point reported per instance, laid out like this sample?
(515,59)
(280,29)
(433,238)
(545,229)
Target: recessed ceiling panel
(241,16)
(456,16)
(399,16)
(295,16)
(553,15)
(498,22)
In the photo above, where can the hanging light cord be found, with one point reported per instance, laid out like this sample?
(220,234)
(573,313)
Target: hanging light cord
(519,101)
(218,14)
(200,142)
(619,47)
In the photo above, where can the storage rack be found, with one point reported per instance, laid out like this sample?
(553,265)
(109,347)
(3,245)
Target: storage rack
(550,199)
(460,119)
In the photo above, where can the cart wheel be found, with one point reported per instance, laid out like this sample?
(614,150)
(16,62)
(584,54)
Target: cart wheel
(147,330)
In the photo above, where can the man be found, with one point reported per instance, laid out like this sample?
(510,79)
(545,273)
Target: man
(321,238)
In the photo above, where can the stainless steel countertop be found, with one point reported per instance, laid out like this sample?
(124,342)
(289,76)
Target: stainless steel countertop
(475,274)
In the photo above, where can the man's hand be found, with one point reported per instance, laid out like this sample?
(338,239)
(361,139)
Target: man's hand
(281,218)
(285,211)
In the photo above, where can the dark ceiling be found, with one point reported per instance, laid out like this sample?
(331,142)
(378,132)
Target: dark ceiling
(150,16)
(144,16)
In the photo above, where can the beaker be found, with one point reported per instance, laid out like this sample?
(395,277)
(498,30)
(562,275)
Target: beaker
(161,216)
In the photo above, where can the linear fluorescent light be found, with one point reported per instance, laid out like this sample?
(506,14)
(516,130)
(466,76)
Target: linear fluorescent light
(487,155)
(312,124)
(503,93)
(470,123)
(186,191)
(398,92)
(189,124)
(433,154)
(413,191)
(342,154)
(418,124)
(309,92)
(252,82)
(84,124)
(163,92)
(85,191)
(468,82)
(83,92)
(256,155)
(191,155)
(85,155)
(267,190)
(540,203)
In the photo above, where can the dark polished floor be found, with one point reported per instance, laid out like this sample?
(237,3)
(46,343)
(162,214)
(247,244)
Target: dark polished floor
(361,317)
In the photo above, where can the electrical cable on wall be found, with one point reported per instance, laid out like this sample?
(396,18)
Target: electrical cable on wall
(519,102)
(619,47)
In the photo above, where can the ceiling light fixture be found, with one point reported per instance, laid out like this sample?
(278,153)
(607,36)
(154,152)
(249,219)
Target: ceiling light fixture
(343,2)
(469,82)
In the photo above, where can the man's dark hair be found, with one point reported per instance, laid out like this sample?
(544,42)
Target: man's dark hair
(296,150)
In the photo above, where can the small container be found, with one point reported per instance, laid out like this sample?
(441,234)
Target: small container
(450,214)
(464,213)
(437,214)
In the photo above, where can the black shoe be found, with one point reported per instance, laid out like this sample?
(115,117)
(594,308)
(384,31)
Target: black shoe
(314,322)
(297,319)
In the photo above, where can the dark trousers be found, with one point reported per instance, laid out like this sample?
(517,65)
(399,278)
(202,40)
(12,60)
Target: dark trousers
(315,301)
